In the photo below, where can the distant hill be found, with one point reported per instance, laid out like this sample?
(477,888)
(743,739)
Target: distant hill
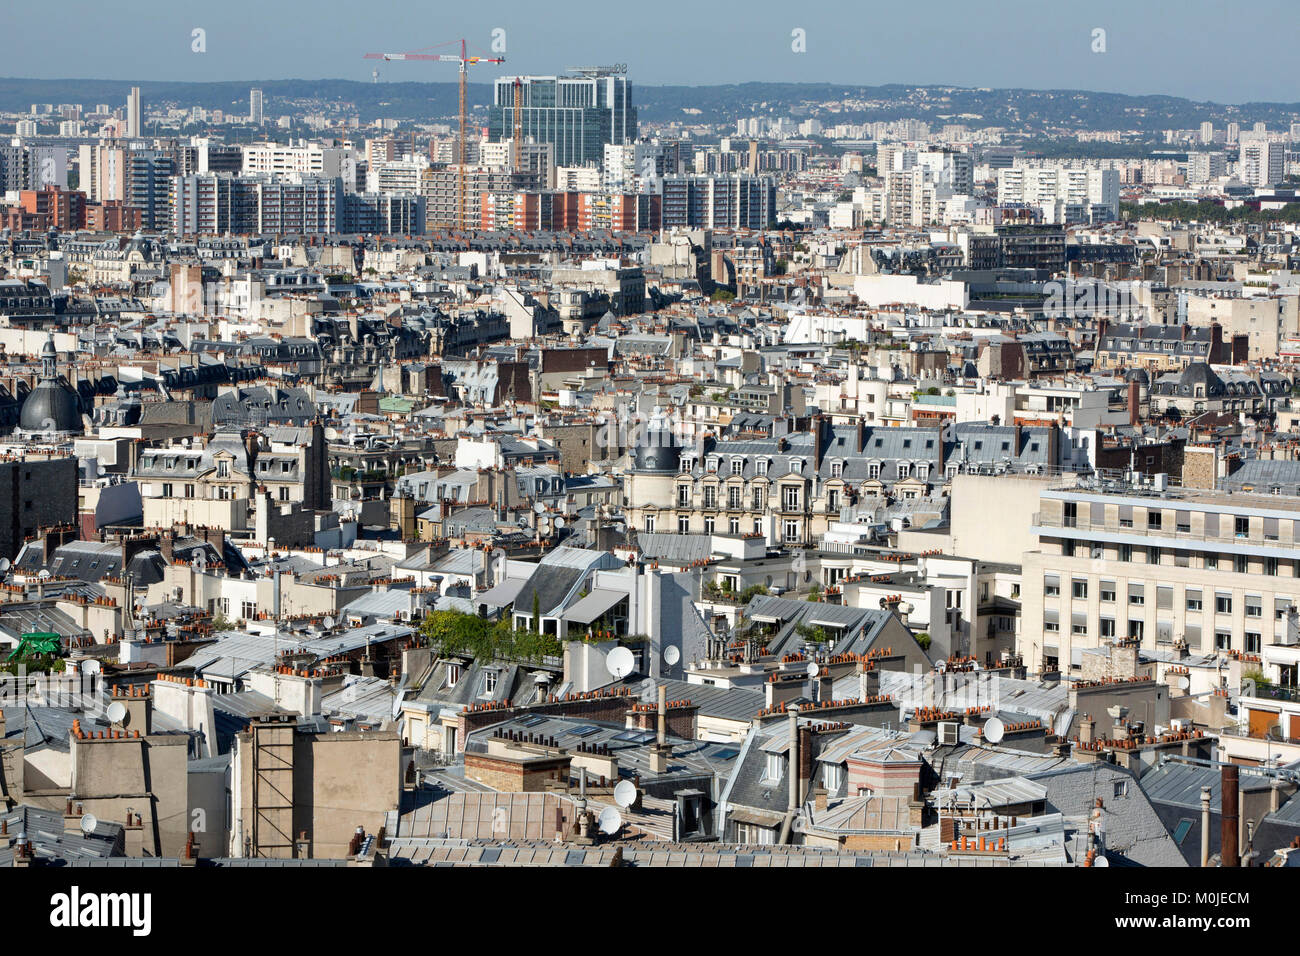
(1031,110)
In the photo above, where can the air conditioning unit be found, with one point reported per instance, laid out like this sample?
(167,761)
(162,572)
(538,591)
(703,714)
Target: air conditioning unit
(948,733)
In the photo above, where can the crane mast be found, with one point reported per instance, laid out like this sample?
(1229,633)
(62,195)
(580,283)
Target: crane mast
(464,61)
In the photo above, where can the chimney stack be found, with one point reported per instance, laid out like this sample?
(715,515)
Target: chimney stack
(805,762)
(663,715)
(792,764)
(1205,826)
(1229,854)
(1134,400)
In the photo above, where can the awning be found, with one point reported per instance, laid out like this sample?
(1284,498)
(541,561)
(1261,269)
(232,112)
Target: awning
(825,622)
(503,595)
(593,606)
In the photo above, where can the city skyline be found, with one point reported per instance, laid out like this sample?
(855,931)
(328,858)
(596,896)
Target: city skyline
(1204,55)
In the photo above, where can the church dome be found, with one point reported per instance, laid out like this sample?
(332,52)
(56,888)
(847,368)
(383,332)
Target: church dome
(51,405)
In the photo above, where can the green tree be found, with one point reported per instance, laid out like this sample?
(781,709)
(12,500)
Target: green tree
(537,612)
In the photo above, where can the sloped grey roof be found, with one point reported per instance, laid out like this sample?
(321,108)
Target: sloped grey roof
(1134,832)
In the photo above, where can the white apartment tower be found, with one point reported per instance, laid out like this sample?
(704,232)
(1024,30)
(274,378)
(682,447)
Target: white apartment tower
(1262,163)
(133,113)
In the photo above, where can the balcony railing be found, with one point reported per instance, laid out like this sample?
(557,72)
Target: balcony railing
(1265,690)
(1082,523)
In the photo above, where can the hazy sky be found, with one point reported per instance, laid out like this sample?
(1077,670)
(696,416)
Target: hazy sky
(1203,49)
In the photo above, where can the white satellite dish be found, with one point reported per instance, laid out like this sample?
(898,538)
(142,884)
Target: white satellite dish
(814,669)
(44,575)
(116,712)
(88,823)
(539,508)
(91,667)
(620,662)
(993,730)
(1184,683)
(328,621)
(610,821)
(625,793)
(559,523)
(1101,861)
(5,565)
(672,655)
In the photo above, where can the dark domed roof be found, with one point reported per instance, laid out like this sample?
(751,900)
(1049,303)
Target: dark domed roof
(659,452)
(51,406)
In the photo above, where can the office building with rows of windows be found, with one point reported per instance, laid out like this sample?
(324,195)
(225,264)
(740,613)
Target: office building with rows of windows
(1208,571)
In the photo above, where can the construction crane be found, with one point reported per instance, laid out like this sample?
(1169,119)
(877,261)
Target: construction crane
(464,61)
(519,122)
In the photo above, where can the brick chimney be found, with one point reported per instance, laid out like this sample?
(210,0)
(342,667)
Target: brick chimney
(1134,400)
(1087,730)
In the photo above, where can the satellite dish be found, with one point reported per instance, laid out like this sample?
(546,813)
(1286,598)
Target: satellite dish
(200,560)
(1183,683)
(672,655)
(1101,861)
(539,508)
(5,565)
(101,471)
(620,662)
(328,621)
(993,730)
(88,823)
(610,821)
(559,523)
(116,712)
(91,667)
(44,575)
(625,793)
(814,669)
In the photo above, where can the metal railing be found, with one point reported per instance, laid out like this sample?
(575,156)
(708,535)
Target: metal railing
(1083,523)
(1266,690)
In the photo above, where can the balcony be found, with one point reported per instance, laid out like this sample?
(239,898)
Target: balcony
(1081,523)
(1265,690)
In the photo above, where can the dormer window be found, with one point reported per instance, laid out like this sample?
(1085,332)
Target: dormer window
(837,469)
(762,466)
(453,674)
(490,682)
(737,465)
